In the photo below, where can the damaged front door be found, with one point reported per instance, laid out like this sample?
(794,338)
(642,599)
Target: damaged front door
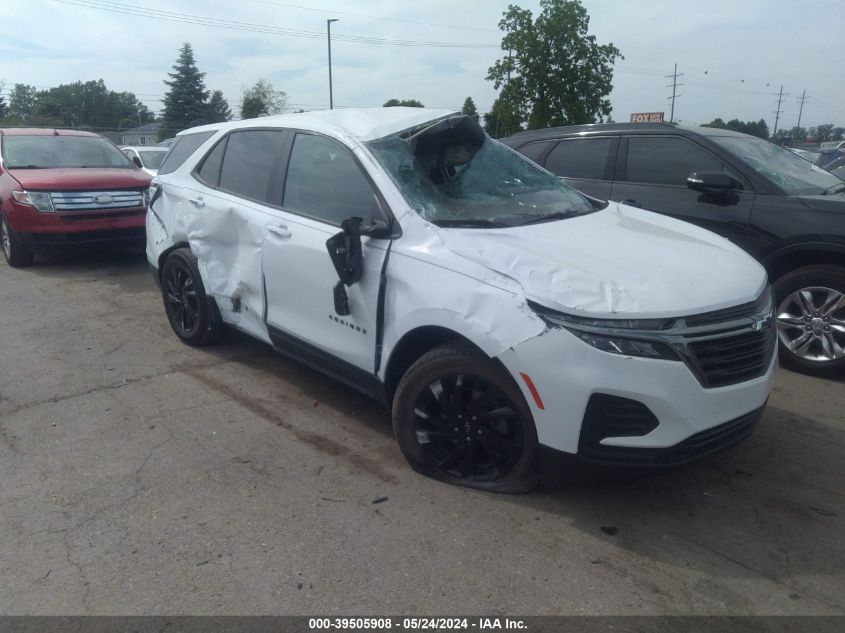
(324,186)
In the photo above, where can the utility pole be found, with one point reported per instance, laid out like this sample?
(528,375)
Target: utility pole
(800,109)
(329,40)
(674,85)
(778,112)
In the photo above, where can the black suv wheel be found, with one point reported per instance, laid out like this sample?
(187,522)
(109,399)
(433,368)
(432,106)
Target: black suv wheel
(811,319)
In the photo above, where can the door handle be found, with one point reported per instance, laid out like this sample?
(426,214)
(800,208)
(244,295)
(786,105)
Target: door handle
(279,230)
(632,203)
(197,202)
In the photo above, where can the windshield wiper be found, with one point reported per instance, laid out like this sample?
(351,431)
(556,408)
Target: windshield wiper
(469,223)
(837,188)
(26,167)
(549,217)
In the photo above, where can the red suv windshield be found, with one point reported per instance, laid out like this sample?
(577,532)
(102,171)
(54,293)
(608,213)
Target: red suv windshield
(44,152)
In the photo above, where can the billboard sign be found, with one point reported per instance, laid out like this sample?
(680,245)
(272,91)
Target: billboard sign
(647,117)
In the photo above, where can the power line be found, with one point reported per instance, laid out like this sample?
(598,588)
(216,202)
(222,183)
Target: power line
(376,17)
(188,18)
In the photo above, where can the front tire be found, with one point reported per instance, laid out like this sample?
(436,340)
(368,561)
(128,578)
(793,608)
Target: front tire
(810,310)
(193,315)
(17,254)
(459,417)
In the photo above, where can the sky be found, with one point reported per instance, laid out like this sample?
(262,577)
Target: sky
(734,55)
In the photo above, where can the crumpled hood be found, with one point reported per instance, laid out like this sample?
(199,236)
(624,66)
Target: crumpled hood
(618,262)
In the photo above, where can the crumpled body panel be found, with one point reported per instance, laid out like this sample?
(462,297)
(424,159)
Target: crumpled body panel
(617,262)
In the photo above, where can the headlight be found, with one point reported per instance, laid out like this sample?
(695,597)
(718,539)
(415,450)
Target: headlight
(626,346)
(39,199)
(626,337)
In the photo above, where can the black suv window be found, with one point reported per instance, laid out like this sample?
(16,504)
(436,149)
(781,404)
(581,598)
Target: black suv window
(251,164)
(325,182)
(666,160)
(182,148)
(536,150)
(580,158)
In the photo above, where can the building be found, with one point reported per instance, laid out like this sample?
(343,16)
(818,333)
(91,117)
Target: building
(144,135)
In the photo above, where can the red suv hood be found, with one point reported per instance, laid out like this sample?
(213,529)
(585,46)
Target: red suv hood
(77,178)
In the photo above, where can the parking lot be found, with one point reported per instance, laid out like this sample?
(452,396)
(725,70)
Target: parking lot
(139,476)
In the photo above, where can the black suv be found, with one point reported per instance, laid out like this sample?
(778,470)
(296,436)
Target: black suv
(782,209)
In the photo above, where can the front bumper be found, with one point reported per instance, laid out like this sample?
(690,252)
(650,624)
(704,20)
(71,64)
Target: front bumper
(567,373)
(78,228)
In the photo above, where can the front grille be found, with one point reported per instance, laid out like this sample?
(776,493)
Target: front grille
(97,200)
(696,446)
(731,359)
(107,215)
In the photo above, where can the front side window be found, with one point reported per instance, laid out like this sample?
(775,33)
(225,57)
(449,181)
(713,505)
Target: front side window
(580,158)
(251,164)
(666,160)
(793,174)
(325,182)
(45,152)
(453,174)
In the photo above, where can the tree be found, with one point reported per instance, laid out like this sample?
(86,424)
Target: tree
(408,103)
(469,109)
(838,133)
(556,72)
(218,108)
(504,118)
(186,101)
(262,100)
(755,128)
(824,132)
(22,102)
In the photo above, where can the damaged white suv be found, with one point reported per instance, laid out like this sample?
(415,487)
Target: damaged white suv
(505,318)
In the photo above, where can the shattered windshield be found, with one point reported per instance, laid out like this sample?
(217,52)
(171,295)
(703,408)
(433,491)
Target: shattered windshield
(452,174)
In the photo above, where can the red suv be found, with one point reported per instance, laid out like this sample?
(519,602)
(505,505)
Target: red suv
(61,188)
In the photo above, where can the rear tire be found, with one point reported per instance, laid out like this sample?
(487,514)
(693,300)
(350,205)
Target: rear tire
(459,417)
(810,311)
(193,315)
(17,254)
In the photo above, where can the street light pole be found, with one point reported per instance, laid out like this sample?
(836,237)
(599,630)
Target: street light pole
(329,40)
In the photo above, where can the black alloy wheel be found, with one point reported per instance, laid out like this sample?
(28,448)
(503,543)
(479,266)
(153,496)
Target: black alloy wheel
(193,315)
(468,427)
(459,416)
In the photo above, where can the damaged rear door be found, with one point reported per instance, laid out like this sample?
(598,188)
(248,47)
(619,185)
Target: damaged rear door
(324,186)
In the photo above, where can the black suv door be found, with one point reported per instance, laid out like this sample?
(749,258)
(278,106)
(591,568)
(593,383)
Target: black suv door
(652,171)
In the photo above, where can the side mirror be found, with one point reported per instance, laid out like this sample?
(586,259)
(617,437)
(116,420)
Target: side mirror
(346,255)
(137,161)
(712,182)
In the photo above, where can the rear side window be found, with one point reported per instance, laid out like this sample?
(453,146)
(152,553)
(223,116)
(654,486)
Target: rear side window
(535,151)
(251,164)
(182,149)
(325,182)
(580,158)
(209,171)
(666,160)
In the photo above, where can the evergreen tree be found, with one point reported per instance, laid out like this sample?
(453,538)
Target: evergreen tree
(469,109)
(186,102)
(218,108)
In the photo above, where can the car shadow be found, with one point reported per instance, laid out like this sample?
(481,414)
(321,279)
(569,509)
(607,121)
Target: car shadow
(771,506)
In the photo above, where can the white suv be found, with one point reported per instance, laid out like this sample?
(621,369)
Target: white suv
(504,317)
